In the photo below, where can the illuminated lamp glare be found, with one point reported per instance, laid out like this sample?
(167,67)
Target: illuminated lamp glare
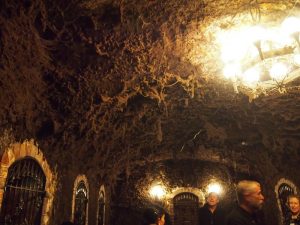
(232,52)
(297,59)
(280,39)
(291,25)
(251,75)
(278,71)
(256,33)
(214,187)
(157,191)
(233,45)
(231,70)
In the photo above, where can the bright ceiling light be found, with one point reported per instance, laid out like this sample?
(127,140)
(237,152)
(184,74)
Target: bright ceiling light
(256,33)
(232,51)
(297,59)
(291,25)
(214,187)
(157,191)
(231,70)
(259,58)
(278,71)
(251,75)
(233,45)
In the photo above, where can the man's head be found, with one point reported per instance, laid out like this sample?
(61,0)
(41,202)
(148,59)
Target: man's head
(212,199)
(249,195)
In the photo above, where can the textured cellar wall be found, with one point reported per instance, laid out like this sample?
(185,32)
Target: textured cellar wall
(64,196)
(104,86)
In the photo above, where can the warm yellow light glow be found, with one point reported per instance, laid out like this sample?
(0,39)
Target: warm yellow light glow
(278,71)
(251,75)
(256,33)
(232,51)
(157,191)
(231,70)
(291,25)
(214,187)
(297,59)
(234,45)
(248,52)
(280,39)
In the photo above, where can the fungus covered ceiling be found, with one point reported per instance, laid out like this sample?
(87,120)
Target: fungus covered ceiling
(115,82)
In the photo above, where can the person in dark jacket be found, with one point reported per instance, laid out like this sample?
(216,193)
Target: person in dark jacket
(293,217)
(211,213)
(250,202)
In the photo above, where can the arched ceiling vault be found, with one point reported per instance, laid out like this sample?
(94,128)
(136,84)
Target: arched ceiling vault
(112,82)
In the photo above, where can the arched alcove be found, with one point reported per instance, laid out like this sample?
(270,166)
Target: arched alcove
(101,206)
(283,188)
(19,151)
(80,195)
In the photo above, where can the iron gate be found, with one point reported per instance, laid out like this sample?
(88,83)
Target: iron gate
(185,209)
(23,194)
(81,200)
(101,209)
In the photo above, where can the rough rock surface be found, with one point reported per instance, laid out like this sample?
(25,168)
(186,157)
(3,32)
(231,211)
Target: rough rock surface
(106,85)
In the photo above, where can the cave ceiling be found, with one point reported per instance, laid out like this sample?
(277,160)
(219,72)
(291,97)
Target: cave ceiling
(116,81)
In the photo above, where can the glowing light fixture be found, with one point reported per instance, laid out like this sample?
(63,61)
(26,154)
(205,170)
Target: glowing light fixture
(257,33)
(297,59)
(291,25)
(262,58)
(251,75)
(278,71)
(157,191)
(214,187)
(231,70)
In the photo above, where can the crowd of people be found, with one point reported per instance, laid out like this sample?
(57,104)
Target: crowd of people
(247,211)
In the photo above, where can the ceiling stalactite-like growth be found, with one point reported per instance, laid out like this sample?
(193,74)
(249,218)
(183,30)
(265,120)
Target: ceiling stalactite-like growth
(116,83)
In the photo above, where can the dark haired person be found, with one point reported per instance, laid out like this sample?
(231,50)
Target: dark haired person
(154,216)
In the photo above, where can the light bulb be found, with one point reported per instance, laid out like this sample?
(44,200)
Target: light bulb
(157,191)
(278,71)
(256,33)
(214,187)
(231,70)
(297,59)
(251,75)
(291,25)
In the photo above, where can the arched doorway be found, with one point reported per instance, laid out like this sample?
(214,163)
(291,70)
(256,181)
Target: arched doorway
(81,201)
(24,193)
(185,209)
(101,208)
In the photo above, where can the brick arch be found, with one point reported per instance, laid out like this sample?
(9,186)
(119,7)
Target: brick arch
(78,179)
(19,151)
(292,185)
